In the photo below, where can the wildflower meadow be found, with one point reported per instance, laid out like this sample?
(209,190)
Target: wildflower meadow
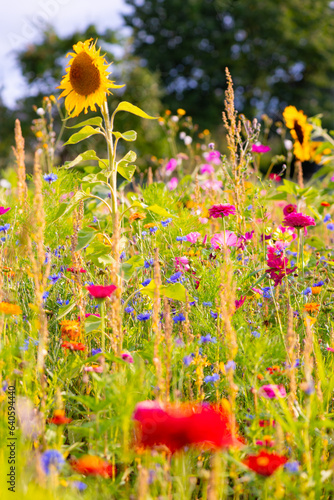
(167,335)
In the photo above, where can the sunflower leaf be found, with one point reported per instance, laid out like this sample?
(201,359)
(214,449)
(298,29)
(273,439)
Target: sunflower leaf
(87,155)
(130,135)
(80,195)
(130,108)
(126,171)
(97,122)
(83,134)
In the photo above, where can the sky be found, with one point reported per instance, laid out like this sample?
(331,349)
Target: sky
(21,22)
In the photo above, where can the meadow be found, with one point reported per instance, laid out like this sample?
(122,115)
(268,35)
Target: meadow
(168,336)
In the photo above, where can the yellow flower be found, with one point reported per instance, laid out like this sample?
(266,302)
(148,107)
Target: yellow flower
(86,81)
(316,290)
(309,321)
(296,121)
(70,329)
(312,307)
(10,309)
(181,112)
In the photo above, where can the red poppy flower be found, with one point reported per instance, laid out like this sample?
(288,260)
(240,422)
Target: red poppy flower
(265,463)
(325,204)
(72,346)
(91,465)
(179,425)
(59,418)
(101,292)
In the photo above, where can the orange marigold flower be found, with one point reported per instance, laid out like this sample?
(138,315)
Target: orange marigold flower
(316,290)
(311,307)
(137,216)
(59,418)
(151,224)
(91,465)
(70,329)
(181,112)
(10,309)
(325,204)
(73,346)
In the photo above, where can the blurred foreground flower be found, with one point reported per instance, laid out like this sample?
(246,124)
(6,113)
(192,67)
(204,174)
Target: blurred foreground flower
(91,465)
(265,463)
(101,292)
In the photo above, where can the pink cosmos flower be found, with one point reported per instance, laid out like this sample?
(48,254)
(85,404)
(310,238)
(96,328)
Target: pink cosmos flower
(214,185)
(213,157)
(101,292)
(260,148)
(96,369)
(330,349)
(127,357)
(298,220)
(171,166)
(172,184)
(228,238)
(182,264)
(3,210)
(272,391)
(289,209)
(221,210)
(206,168)
(257,290)
(193,237)
(203,220)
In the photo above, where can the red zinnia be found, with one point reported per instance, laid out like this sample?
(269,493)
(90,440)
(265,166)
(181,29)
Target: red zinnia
(179,425)
(91,465)
(265,463)
(298,220)
(101,292)
(73,346)
(59,418)
(221,210)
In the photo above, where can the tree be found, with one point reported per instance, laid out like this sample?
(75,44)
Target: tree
(278,53)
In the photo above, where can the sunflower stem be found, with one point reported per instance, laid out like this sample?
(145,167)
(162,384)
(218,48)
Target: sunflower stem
(111,158)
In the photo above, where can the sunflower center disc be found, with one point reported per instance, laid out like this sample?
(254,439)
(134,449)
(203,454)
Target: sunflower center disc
(299,131)
(84,76)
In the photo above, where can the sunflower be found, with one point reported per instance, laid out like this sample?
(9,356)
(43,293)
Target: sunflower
(300,130)
(86,81)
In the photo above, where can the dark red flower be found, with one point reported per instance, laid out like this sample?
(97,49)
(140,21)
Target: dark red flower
(275,177)
(265,463)
(221,210)
(101,292)
(179,425)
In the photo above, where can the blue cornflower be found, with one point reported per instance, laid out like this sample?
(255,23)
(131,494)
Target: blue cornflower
(175,278)
(51,457)
(212,378)
(54,278)
(153,229)
(129,309)
(187,360)
(50,178)
(307,291)
(292,263)
(144,233)
(267,292)
(292,466)
(96,351)
(214,315)
(25,346)
(330,226)
(206,339)
(148,263)
(165,223)
(321,283)
(122,256)
(249,416)
(63,302)
(181,238)
(230,365)
(146,282)
(249,207)
(45,295)
(95,220)
(178,318)
(207,304)
(256,334)
(327,217)
(78,485)
(4,228)
(289,252)
(143,316)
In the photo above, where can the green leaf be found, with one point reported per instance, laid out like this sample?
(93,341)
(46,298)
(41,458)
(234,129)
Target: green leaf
(100,254)
(85,236)
(87,155)
(97,122)
(126,171)
(128,268)
(288,187)
(75,200)
(160,211)
(83,134)
(130,108)
(175,291)
(65,310)
(130,135)
(92,323)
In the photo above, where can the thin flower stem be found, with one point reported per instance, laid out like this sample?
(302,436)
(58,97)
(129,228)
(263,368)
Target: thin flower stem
(111,157)
(103,338)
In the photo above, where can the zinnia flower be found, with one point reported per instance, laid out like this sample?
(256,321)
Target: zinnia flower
(101,292)
(91,465)
(271,391)
(260,148)
(298,220)
(289,209)
(86,81)
(300,130)
(265,463)
(221,210)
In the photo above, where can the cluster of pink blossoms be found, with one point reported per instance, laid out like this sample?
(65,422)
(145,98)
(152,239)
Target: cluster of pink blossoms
(277,263)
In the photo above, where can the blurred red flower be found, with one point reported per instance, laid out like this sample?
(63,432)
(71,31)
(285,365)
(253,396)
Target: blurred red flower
(91,465)
(265,463)
(101,292)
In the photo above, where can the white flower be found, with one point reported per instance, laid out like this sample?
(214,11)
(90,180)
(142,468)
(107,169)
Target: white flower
(188,140)
(288,144)
(40,112)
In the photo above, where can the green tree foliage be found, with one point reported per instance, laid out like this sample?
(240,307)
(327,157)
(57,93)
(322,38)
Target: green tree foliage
(278,53)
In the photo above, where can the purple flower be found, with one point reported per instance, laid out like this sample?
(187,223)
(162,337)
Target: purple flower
(260,148)
(51,458)
(50,178)
(143,316)
(171,166)
(178,318)
(211,378)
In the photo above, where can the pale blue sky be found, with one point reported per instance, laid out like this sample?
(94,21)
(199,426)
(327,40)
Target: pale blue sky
(21,20)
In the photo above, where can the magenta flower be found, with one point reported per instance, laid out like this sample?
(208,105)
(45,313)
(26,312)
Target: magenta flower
(289,209)
(221,210)
(240,302)
(272,391)
(171,166)
(127,357)
(298,220)
(101,292)
(228,238)
(193,237)
(259,148)
(275,177)
(172,184)
(207,169)
(182,264)
(214,185)
(213,157)
(3,210)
